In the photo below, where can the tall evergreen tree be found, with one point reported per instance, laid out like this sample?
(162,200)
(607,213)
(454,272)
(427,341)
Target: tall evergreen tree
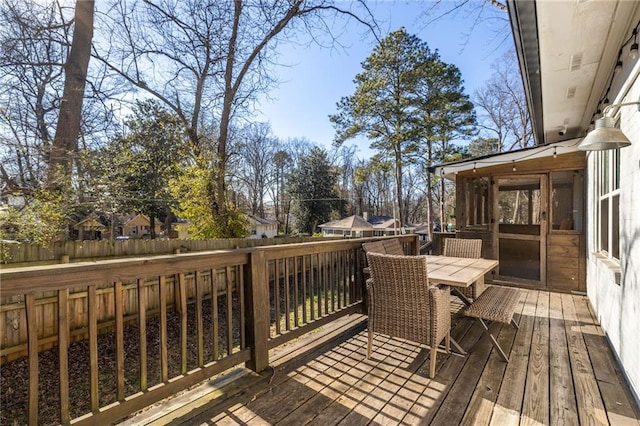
(404,92)
(313,187)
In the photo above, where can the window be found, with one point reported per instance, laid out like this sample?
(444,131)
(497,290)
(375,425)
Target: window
(607,192)
(477,203)
(566,200)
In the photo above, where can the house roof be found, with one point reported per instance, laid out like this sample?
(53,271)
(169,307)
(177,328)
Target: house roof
(422,228)
(567,52)
(376,220)
(141,216)
(90,222)
(261,221)
(387,224)
(354,223)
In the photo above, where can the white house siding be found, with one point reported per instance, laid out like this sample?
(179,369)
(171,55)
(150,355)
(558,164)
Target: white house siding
(614,290)
(268,230)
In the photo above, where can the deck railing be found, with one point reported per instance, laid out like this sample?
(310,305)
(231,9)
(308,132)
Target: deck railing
(150,327)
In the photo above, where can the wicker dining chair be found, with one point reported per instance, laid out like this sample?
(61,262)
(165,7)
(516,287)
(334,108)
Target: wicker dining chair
(469,248)
(390,246)
(402,304)
(374,247)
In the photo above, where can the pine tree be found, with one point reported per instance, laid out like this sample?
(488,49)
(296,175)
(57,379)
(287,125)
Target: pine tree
(405,97)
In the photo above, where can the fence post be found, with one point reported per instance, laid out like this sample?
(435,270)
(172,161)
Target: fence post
(415,244)
(257,302)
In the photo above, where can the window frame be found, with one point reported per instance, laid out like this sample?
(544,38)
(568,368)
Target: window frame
(607,189)
(477,190)
(580,174)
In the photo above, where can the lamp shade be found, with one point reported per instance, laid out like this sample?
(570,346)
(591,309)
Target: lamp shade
(604,136)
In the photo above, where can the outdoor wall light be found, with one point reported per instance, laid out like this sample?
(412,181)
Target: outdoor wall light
(633,50)
(606,135)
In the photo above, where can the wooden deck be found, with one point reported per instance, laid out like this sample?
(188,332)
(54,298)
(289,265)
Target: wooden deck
(561,371)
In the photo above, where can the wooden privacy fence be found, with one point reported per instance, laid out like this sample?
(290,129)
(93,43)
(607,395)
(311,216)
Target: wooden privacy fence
(28,252)
(190,316)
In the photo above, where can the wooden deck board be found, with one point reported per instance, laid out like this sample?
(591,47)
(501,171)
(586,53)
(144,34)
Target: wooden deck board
(562,407)
(509,403)
(535,406)
(561,371)
(617,399)
(590,405)
(483,400)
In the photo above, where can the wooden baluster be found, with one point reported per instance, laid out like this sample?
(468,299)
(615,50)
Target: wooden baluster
(305,281)
(119,320)
(348,265)
(164,358)
(93,345)
(296,300)
(214,310)
(287,298)
(345,277)
(320,273)
(312,286)
(240,285)
(326,261)
(229,311)
(276,298)
(63,353)
(183,323)
(32,348)
(335,280)
(142,328)
(199,318)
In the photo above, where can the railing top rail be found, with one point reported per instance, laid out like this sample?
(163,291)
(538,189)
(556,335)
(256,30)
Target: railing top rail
(30,279)
(314,247)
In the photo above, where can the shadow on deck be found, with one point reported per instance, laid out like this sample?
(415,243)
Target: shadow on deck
(561,371)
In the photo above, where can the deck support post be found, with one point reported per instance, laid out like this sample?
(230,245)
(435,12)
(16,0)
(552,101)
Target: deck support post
(257,299)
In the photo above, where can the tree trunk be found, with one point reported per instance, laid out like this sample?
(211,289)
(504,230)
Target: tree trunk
(430,215)
(429,206)
(220,207)
(442,218)
(65,141)
(152,223)
(399,187)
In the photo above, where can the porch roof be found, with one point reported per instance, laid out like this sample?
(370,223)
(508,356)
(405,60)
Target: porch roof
(567,53)
(449,170)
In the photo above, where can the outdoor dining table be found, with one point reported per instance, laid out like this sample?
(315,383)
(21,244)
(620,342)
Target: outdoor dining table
(457,272)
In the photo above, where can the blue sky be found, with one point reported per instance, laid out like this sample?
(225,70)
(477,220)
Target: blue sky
(316,78)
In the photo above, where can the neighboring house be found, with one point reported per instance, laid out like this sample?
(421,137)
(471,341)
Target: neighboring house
(139,226)
(352,226)
(90,228)
(357,226)
(579,221)
(179,229)
(387,225)
(262,228)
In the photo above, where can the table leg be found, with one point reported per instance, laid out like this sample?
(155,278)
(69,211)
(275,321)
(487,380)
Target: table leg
(460,296)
